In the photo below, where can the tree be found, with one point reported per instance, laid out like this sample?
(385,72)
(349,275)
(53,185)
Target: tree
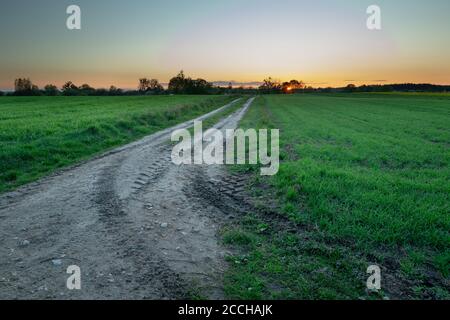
(24,87)
(178,83)
(86,90)
(113,91)
(152,85)
(70,89)
(198,86)
(350,88)
(69,85)
(144,83)
(155,86)
(2,93)
(270,86)
(51,90)
(292,86)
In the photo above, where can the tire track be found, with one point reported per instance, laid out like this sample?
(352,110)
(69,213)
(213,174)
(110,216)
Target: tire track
(138,226)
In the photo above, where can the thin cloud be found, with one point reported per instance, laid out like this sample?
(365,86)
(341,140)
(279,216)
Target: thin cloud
(378,80)
(237,83)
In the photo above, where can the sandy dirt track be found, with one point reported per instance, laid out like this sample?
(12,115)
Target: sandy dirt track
(138,226)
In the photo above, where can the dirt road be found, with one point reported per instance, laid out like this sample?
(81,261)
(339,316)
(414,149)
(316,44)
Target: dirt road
(138,226)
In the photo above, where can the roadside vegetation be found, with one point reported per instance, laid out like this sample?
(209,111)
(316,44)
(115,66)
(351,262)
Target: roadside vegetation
(364,179)
(41,134)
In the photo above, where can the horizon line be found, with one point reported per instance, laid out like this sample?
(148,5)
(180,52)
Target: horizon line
(256,84)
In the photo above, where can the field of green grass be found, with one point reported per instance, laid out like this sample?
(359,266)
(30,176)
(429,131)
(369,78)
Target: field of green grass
(41,134)
(364,179)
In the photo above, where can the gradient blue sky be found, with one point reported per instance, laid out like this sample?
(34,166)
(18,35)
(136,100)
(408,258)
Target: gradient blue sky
(323,42)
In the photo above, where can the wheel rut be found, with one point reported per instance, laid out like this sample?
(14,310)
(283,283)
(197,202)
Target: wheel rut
(138,226)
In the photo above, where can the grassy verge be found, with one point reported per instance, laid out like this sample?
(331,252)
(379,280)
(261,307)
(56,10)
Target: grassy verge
(41,134)
(363,180)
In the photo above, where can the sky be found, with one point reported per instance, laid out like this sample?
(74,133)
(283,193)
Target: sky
(322,42)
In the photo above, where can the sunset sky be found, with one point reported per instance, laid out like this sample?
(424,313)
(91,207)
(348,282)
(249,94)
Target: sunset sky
(322,42)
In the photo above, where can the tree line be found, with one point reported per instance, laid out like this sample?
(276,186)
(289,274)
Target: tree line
(402,87)
(25,87)
(271,86)
(182,84)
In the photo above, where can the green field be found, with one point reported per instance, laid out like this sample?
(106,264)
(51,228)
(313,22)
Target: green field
(364,179)
(40,134)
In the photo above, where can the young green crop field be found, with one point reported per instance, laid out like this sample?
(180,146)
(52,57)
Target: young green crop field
(41,134)
(364,179)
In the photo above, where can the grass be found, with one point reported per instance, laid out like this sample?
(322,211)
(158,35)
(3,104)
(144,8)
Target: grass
(364,179)
(41,134)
